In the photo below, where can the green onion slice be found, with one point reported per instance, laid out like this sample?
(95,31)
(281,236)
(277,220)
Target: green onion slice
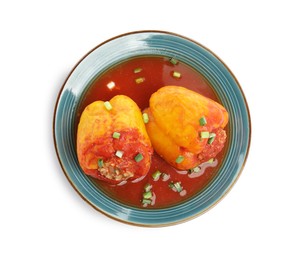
(116,135)
(147,187)
(196,169)
(204,134)
(165,177)
(108,105)
(137,70)
(147,195)
(145,118)
(173,61)
(156,175)
(140,80)
(100,163)
(111,85)
(146,201)
(138,157)
(179,159)
(119,153)
(211,160)
(176,74)
(175,186)
(202,121)
(211,138)
(178,186)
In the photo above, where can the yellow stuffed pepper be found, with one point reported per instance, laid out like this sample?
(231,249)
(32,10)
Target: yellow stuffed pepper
(112,142)
(185,127)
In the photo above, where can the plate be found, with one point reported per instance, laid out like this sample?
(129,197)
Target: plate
(165,44)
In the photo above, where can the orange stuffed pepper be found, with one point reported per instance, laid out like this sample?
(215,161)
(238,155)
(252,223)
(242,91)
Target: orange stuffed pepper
(185,127)
(112,142)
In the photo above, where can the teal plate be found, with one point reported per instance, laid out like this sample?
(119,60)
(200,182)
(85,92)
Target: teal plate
(165,44)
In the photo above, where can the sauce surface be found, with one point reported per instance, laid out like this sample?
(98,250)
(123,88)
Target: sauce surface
(138,78)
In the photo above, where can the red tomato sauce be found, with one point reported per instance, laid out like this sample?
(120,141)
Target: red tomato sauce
(155,72)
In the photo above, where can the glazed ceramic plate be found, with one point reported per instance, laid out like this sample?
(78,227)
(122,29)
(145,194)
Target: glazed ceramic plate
(165,44)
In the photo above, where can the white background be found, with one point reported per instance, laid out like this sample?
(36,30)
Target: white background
(42,217)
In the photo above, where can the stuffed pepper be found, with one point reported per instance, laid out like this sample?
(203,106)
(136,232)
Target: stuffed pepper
(112,142)
(185,128)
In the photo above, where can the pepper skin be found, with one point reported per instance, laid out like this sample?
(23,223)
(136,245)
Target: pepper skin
(97,149)
(174,126)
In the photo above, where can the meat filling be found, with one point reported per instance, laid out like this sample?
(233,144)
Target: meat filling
(112,171)
(211,150)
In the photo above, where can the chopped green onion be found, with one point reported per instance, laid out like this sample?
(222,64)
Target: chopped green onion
(196,169)
(176,74)
(211,160)
(116,135)
(119,154)
(146,201)
(173,61)
(108,105)
(165,177)
(202,121)
(179,159)
(156,175)
(140,80)
(204,134)
(147,187)
(145,118)
(111,85)
(138,157)
(100,163)
(211,138)
(178,187)
(175,186)
(137,70)
(147,195)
